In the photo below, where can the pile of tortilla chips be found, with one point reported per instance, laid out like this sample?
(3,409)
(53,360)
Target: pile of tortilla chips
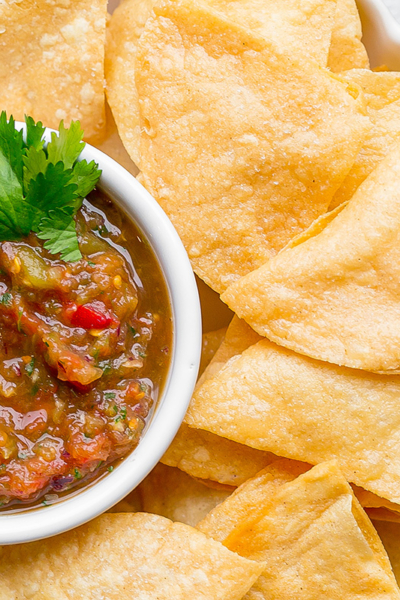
(260,129)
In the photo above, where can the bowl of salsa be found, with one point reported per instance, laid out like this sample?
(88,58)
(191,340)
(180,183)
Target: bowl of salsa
(99,352)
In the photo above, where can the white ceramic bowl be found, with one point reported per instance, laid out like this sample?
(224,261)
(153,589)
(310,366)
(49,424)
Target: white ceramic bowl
(85,504)
(381,34)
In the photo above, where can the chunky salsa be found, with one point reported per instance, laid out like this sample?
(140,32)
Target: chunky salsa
(84,352)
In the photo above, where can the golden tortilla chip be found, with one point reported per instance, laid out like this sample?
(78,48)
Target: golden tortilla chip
(390,536)
(52,62)
(314,537)
(242,145)
(274,400)
(382,97)
(346,50)
(248,501)
(211,341)
(336,296)
(299,27)
(173,494)
(113,146)
(123,31)
(125,555)
(207,456)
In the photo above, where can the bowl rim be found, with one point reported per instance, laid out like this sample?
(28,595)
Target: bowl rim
(98,496)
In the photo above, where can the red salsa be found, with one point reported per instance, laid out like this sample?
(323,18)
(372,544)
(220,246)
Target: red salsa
(84,353)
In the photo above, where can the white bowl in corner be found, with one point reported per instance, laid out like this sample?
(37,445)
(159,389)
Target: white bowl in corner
(97,497)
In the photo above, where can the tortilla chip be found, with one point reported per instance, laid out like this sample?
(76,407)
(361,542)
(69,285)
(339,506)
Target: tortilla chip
(123,31)
(382,96)
(52,62)
(113,147)
(120,555)
(336,296)
(300,28)
(306,530)
(390,536)
(206,456)
(248,501)
(237,191)
(277,401)
(211,341)
(347,51)
(171,493)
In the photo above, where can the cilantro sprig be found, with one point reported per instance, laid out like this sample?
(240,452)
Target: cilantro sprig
(42,188)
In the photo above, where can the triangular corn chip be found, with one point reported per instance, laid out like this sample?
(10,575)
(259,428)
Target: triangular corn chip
(346,50)
(52,62)
(312,534)
(126,556)
(382,97)
(301,28)
(274,400)
(207,456)
(243,146)
(335,297)
(249,500)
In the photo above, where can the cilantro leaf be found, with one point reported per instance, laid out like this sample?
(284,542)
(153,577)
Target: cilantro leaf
(35,162)
(60,232)
(11,144)
(85,175)
(41,188)
(34,133)
(15,215)
(51,190)
(66,146)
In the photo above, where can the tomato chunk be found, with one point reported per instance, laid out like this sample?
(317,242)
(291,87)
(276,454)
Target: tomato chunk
(89,317)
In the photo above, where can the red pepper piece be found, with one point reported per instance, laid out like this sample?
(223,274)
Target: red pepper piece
(88,317)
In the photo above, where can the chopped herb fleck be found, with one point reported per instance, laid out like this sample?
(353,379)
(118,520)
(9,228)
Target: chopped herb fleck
(30,366)
(5,299)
